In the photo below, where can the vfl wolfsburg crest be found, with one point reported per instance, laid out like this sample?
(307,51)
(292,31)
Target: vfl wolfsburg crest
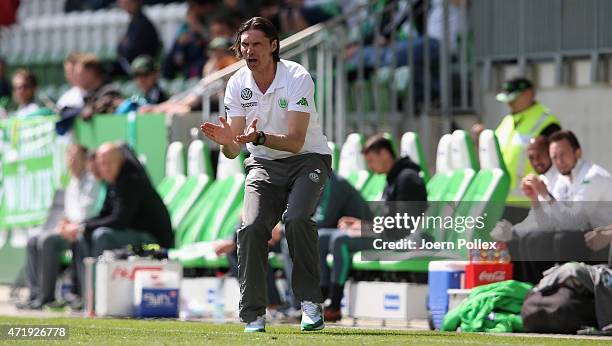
(282,103)
(246,94)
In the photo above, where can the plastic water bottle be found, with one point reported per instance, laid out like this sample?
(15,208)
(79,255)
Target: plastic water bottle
(219,308)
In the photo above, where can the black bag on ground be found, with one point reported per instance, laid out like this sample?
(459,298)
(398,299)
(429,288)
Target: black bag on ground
(561,311)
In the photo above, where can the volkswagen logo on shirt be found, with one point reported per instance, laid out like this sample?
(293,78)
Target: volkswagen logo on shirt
(246,94)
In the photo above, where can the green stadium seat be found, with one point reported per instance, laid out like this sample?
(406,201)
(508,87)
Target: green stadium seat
(335,155)
(411,146)
(457,166)
(199,176)
(175,173)
(352,165)
(437,184)
(488,192)
(373,189)
(198,159)
(214,216)
(465,166)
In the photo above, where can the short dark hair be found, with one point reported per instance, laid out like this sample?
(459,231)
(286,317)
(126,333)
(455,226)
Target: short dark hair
(262,24)
(377,143)
(28,76)
(565,135)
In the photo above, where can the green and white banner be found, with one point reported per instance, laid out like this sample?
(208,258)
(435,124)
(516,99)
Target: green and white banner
(32,168)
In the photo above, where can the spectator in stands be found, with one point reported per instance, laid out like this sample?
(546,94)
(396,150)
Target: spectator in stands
(186,57)
(24,91)
(222,26)
(406,18)
(301,14)
(45,249)
(141,37)
(146,76)
(5,86)
(403,184)
(271,10)
(527,119)
(100,96)
(219,56)
(75,96)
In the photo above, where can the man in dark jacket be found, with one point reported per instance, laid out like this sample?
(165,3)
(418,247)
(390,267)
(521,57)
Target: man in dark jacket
(141,37)
(404,184)
(132,214)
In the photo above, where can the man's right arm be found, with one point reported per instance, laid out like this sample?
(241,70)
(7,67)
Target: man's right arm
(235,115)
(237,124)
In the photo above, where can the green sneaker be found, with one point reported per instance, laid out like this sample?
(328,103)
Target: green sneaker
(56,306)
(257,326)
(312,317)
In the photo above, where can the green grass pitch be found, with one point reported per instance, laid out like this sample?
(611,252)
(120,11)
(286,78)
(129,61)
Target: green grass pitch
(166,332)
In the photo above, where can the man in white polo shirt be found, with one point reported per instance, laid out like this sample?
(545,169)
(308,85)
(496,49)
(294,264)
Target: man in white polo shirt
(287,170)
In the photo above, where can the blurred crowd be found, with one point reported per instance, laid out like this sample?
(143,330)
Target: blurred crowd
(201,46)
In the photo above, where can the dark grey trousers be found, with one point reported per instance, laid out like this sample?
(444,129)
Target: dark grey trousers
(43,264)
(289,189)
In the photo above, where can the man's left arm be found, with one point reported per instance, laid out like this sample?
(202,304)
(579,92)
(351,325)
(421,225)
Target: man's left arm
(293,141)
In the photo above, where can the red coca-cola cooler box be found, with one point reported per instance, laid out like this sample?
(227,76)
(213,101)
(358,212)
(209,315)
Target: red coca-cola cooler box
(483,273)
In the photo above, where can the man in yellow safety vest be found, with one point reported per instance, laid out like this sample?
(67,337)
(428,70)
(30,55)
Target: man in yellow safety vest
(527,119)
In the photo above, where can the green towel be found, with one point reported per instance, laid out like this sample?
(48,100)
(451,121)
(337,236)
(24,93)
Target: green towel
(490,308)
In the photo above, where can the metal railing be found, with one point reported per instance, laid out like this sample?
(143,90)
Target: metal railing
(395,88)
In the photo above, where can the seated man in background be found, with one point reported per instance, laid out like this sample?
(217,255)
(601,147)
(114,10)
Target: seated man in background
(146,76)
(133,212)
(45,249)
(564,211)
(24,93)
(403,184)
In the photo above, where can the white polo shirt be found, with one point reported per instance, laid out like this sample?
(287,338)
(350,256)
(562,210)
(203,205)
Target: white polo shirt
(291,90)
(584,202)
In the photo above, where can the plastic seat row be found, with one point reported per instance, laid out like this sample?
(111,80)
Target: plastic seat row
(202,209)
(459,188)
(49,38)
